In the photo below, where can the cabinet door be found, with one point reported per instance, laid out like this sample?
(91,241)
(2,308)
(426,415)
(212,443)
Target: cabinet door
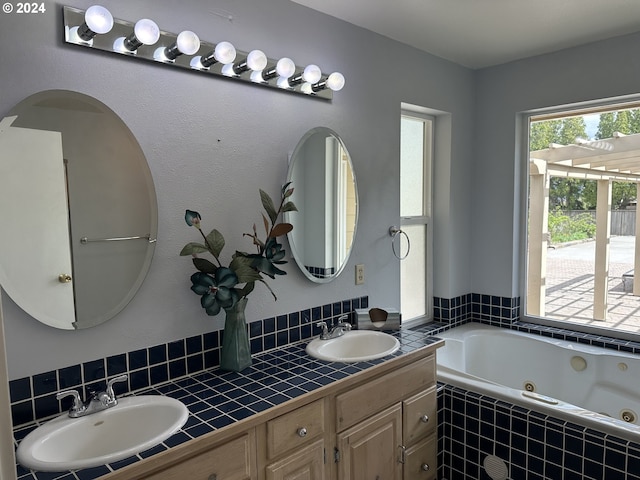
(370,449)
(421,460)
(305,464)
(233,460)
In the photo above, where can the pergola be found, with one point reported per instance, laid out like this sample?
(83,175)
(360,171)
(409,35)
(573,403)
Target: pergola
(606,160)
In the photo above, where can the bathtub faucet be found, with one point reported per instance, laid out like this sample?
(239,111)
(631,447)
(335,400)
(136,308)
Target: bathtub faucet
(336,331)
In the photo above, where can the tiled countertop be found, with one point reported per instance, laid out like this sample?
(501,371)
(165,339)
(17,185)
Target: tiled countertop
(216,399)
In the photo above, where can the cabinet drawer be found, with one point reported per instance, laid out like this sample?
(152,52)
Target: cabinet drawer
(304,464)
(295,429)
(419,415)
(233,460)
(365,400)
(421,461)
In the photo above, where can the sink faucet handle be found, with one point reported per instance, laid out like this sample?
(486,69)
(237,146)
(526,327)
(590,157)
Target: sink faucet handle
(77,401)
(324,334)
(120,378)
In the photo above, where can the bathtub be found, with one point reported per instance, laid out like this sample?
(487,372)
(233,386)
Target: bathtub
(590,386)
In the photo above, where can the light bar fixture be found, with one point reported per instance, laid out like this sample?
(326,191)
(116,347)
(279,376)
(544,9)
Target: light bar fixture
(97,29)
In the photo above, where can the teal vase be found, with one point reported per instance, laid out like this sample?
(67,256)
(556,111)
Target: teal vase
(236,350)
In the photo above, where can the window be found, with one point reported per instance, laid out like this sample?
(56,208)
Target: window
(583,221)
(416,151)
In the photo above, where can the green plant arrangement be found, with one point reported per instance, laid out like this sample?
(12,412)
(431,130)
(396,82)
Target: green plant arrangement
(226,288)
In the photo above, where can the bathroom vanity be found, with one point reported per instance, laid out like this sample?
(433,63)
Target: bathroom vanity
(378,423)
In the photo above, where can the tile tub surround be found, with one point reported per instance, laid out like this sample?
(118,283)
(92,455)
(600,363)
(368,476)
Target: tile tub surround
(216,399)
(499,311)
(33,398)
(534,446)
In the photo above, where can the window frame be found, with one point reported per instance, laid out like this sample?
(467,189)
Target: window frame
(426,218)
(523,127)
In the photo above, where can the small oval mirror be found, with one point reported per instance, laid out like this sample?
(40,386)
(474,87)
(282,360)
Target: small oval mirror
(77,207)
(326,195)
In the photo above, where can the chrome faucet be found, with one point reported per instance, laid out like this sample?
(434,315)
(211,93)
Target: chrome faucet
(99,401)
(336,331)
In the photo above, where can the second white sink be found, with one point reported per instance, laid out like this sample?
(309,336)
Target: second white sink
(134,425)
(354,346)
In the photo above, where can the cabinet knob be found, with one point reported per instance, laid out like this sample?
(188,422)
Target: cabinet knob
(64,278)
(425,467)
(424,418)
(302,432)
(213,476)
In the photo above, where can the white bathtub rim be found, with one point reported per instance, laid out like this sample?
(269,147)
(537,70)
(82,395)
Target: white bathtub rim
(463,331)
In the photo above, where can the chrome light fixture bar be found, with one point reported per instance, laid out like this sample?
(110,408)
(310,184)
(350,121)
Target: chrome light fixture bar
(145,40)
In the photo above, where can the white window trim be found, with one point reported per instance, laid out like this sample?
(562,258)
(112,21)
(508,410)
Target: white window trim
(523,121)
(427,218)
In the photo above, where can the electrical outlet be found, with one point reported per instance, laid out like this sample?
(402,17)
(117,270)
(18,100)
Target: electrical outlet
(359,274)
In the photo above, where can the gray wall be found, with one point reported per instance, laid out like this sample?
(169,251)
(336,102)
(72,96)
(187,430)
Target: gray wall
(211,144)
(601,70)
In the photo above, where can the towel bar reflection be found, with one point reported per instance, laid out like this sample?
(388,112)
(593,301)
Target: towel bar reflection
(85,240)
(394,232)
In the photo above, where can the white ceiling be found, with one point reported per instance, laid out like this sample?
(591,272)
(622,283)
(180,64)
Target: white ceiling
(482,33)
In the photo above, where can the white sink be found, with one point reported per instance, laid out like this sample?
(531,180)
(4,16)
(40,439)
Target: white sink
(136,424)
(354,346)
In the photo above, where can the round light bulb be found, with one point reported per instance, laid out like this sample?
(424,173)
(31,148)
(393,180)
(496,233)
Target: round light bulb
(306,88)
(146,31)
(188,42)
(285,67)
(335,81)
(98,19)
(312,74)
(225,53)
(256,60)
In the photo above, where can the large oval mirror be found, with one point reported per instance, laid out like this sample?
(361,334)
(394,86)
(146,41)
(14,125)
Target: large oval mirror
(77,208)
(326,195)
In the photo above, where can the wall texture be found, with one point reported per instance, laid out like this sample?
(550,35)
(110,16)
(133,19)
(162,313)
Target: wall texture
(211,144)
(604,70)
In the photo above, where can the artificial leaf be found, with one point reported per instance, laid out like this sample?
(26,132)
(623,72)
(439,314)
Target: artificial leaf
(266,224)
(289,207)
(243,267)
(281,229)
(266,267)
(284,189)
(216,242)
(204,265)
(191,248)
(268,205)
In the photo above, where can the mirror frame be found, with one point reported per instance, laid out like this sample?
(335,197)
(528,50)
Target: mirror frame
(295,159)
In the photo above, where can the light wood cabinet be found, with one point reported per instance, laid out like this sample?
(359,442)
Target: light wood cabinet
(421,460)
(370,449)
(295,429)
(233,460)
(307,463)
(387,427)
(378,424)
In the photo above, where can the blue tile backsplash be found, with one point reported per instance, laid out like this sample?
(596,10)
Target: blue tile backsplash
(33,398)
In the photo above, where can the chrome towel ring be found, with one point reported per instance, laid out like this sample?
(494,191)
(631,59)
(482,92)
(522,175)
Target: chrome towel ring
(395,231)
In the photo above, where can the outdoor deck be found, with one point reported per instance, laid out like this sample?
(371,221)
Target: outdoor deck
(570,283)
